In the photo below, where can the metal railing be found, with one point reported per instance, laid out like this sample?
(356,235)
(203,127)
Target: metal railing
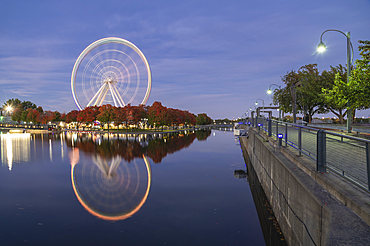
(345,155)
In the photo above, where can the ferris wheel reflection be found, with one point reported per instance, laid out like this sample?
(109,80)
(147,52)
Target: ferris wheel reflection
(110,188)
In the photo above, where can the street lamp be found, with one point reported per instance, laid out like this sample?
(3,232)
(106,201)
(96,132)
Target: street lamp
(263,105)
(321,47)
(263,102)
(269,91)
(9,109)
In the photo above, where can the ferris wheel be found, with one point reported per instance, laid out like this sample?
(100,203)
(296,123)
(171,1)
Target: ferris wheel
(111,71)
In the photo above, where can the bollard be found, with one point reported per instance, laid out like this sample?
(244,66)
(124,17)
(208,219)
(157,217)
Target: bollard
(280,137)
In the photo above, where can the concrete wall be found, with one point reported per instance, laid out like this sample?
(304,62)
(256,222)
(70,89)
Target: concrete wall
(307,213)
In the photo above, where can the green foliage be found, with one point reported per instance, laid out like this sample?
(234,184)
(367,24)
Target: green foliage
(17,114)
(12,103)
(307,84)
(333,101)
(203,119)
(357,90)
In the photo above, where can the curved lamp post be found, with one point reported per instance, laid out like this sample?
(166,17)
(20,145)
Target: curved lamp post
(322,47)
(263,105)
(269,91)
(263,102)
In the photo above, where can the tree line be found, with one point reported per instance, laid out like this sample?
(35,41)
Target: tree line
(327,91)
(156,115)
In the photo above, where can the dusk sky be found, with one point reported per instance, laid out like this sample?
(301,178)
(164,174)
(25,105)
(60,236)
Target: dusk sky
(215,57)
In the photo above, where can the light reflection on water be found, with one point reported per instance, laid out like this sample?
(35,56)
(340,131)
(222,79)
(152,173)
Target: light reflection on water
(175,189)
(15,148)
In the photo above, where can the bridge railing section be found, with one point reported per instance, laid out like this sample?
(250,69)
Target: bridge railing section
(345,155)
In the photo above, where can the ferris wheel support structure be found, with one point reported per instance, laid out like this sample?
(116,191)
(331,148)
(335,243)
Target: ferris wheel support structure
(113,71)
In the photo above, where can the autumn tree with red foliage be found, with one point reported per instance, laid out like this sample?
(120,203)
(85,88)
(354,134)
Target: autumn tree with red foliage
(88,115)
(120,115)
(158,114)
(32,115)
(45,117)
(136,114)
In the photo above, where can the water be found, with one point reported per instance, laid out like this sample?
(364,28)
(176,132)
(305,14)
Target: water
(83,189)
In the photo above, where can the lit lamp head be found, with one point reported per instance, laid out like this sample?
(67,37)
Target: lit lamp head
(256,103)
(269,91)
(321,47)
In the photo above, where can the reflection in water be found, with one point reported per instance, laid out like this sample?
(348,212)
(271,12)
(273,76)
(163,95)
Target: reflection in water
(114,179)
(15,148)
(130,147)
(110,191)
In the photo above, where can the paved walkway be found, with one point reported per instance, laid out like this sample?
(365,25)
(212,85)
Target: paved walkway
(364,128)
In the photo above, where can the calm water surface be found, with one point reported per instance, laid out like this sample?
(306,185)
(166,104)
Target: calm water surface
(83,189)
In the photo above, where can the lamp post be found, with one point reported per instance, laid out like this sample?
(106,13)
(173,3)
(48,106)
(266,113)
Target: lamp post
(269,91)
(263,105)
(321,47)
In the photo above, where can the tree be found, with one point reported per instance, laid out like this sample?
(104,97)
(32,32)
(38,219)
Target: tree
(17,114)
(309,92)
(39,108)
(72,117)
(120,115)
(158,114)
(27,104)
(106,114)
(57,116)
(335,104)
(45,117)
(32,115)
(12,103)
(88,114)
(136,113)
(24,115)
(359,93)
(203,119)
(283,97)
(357,90)
(307,84)
(189,118)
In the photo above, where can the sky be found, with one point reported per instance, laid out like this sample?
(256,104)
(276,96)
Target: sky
(215,57)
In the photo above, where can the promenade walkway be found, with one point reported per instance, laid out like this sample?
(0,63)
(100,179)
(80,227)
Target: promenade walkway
(363,128)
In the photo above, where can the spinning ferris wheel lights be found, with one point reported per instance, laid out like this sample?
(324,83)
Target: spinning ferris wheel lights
(111,71)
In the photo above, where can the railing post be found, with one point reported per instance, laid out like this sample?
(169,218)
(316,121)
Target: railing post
(321,151)
(270,128)
(368,164)
(277,128)
(286,134)
(300,140)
